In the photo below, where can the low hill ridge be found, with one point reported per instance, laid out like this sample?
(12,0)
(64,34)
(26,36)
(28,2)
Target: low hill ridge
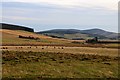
(15,27)
(74,33)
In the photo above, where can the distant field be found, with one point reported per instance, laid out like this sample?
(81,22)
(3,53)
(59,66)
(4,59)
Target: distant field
(11,38)
(37,65)
(73,50)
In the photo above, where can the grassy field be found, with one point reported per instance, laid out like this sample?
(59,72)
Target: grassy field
(11,38)
(35,65)
(55,58)
(73,50)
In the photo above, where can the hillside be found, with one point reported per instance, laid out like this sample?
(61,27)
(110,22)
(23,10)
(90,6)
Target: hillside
(11,37)
(100,32)
(15,27)
(80,34)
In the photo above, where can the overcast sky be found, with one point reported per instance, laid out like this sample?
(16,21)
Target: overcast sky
(62,14)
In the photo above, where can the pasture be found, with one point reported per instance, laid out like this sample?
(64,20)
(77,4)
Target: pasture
(37,65)
(55,58)
(11,38)
(61,49)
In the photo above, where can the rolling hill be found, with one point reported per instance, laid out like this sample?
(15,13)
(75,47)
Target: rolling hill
(15,27)
(73,34)
(10,36)
(80,34)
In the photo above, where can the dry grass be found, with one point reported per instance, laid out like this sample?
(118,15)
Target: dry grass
(56,58)
(37,65)
(10,37)
(73,50)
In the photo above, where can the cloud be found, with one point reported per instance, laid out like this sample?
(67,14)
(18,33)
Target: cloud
(19,18)
(48,14)
(107,4)
(57,14)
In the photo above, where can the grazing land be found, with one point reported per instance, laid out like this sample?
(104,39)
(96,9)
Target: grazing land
(11,38)
(48,57)
(72,50)
(24,65)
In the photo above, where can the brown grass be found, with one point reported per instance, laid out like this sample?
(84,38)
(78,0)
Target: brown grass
(37,65)
(61,49)
(11,38)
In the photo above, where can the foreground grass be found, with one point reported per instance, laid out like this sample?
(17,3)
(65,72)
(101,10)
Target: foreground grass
(36,65)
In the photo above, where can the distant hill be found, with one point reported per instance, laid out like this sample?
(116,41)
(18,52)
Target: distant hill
(80,34)
(15,27)
(62,31)
(67,33)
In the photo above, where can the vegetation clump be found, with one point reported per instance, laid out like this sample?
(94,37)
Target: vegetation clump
(28,37)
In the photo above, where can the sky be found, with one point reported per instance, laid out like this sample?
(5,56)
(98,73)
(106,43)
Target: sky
(61,14)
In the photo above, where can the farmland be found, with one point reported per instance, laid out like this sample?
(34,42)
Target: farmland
(25,65)
(55,58)
(11,38)
(73,50)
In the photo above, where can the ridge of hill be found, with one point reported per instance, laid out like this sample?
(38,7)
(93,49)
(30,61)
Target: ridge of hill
(81,34)
(73,34)
(15,27)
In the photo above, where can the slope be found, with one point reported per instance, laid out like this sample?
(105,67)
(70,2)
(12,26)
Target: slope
(11,37)
(15,27)
(80,34)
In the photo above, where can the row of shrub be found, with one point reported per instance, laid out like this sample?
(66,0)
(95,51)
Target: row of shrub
(29,37)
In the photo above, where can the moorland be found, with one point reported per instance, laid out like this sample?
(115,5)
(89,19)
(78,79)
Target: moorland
(35,55)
